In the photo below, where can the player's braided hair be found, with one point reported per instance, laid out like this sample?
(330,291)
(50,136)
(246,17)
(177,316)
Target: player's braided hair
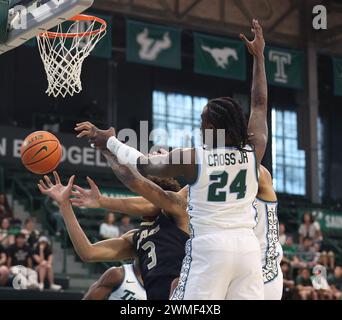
(167,184)
(225,113)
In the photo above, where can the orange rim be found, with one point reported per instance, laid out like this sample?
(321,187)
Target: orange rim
(79,17)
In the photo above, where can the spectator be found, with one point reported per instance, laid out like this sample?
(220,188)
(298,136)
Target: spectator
(289,247)
(6,238)
(4,276)
(32,235)
(304,285)
(19,261)
(108,229)
(42,260)
(3,256)
(309,229)
(282,235)
(335,282)
(307,255)
(289,288)
(19,253)
(5,209)
(125,224)
(328,259)
(57,220)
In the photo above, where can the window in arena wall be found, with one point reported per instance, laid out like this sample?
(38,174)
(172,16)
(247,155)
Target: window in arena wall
(288,161)
(179,115)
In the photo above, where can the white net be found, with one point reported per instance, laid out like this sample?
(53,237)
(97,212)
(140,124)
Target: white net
(64,51)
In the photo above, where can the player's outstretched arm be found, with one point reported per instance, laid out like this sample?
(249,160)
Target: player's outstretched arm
(179,162)
(107,250)
(257,127)
(266,191)
(170,202)
(92,198)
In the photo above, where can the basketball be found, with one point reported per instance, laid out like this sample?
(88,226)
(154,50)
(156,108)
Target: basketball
(41,152)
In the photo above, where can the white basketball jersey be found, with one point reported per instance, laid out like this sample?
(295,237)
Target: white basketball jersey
(225,189)
(130,288)
(267,232)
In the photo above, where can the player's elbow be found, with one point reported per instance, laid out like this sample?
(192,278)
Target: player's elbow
(86,257)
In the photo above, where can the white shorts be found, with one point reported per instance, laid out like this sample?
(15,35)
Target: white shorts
(274,288)
(225,265)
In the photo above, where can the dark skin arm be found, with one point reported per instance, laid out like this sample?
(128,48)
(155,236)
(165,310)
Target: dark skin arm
(266,191)
(257,126)
(172,203)
(103,287)
(177,163)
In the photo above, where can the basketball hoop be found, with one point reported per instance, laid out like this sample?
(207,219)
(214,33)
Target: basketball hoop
(63,52)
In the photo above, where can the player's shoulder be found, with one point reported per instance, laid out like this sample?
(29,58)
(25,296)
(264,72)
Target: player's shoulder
(129,235)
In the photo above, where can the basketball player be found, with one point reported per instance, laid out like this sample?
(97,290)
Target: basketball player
(265,207)
(122,283)
(222,190)
(159,243)
(267,232)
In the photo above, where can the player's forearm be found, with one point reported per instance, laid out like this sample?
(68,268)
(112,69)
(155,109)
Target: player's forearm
(136,206)
(127,175)
(259,95)
(123,152)
(81,244)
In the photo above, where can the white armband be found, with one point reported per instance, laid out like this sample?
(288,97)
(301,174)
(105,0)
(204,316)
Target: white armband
(124,153)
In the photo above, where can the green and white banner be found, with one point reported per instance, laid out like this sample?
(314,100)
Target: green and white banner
(337,64)
(220,57)
(284,68)
(153,44)
(329,221)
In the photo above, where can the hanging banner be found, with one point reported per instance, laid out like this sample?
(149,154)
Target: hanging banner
(284,68)
(220,57)
(330,221)
(153,44)
(337,65)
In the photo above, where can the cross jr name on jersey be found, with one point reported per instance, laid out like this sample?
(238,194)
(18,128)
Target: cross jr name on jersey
(227,159)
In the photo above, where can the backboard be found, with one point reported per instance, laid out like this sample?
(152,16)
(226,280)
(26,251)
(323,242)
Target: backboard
(21,20)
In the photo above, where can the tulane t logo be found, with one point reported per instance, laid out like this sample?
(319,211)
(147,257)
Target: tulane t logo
(281,59)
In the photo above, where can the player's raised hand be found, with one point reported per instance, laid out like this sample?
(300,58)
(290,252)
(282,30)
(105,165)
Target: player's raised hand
(257,46)
(56,191)
(98,138)
(87,198)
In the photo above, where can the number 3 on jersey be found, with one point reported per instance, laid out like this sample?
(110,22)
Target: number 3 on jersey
(220,179)
(149,245)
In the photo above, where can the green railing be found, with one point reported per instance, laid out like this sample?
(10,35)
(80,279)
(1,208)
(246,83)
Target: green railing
(18,185)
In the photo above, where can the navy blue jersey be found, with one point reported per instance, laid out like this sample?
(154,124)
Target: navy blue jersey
(160,248)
